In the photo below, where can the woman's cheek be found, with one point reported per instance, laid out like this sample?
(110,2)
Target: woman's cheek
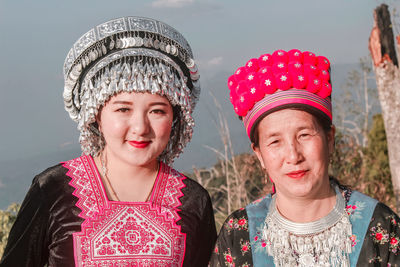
(165,127)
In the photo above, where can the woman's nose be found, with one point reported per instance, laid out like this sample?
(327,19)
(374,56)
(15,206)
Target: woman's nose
(294,154)
(140,124)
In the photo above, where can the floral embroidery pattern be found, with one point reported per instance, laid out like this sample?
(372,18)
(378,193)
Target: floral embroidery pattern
(236,227)
(379,235)
(258,243)
(376,259)
(244,246)
(394,240)
(237,224)
(229,260)
(385,237)
(394,243)
(393,220)
(353,240)
(354,211)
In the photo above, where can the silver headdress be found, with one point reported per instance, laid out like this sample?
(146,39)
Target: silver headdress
(131,54)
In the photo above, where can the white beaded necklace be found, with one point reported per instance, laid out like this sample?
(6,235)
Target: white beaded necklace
(325,242)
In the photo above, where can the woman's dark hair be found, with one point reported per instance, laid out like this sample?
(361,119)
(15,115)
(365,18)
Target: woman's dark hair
(323,120)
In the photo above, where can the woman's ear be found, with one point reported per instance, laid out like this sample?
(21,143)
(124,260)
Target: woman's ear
(257,151)
(98,118)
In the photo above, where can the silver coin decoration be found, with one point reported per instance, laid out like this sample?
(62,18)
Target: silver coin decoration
(139,41)
(156,44)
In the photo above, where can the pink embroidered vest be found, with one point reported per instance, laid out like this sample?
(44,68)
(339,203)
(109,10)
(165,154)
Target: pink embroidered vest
(127,233)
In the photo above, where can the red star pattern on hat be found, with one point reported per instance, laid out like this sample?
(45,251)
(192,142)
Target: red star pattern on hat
(280,71)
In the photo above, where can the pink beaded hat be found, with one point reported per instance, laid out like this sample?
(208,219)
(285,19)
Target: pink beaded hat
(281,80)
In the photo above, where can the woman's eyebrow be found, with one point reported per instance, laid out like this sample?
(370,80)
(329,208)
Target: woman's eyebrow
(122,102)
(158,103)
(274,134)
(271,134)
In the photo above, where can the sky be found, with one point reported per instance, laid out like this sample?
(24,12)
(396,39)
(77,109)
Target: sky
(35,37)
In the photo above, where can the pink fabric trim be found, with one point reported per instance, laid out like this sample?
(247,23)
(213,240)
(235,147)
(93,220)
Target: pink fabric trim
(292,96)
(88,190)
(109,219)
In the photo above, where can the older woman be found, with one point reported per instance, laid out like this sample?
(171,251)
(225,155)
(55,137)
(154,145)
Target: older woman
(131,85)
(310,220)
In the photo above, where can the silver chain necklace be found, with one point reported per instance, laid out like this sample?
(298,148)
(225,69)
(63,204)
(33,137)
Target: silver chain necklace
(325,242)
(104,172)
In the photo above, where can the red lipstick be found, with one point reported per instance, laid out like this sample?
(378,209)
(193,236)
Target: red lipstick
(296,174)
(138,144)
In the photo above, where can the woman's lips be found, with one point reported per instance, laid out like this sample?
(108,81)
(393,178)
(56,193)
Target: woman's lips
(297,174)
(141,144)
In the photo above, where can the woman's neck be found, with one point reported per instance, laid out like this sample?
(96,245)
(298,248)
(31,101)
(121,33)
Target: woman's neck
(125,171)
(303,210)
(127,182)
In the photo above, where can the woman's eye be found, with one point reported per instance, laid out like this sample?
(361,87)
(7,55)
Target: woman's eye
(273,142)
(304,135)
(158,111)
(123,110)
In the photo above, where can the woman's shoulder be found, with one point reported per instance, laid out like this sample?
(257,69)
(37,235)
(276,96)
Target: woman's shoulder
(238,214)
(236,225)
(50,175)
(383,211)
(241,215)
(360,204)
(53,177)
(192,185)
(195,195)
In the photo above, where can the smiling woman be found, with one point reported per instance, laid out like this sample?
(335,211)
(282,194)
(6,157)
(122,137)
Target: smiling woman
(137,128)
(311,219)
(131,85)
(295,150)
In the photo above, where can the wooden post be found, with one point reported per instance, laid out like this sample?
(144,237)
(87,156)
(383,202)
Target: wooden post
(383,53)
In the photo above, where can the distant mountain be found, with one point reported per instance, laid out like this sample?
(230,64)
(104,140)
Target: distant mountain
(16,175)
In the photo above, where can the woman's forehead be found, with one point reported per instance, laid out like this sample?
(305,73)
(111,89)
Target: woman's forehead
(138,97)
(285,120)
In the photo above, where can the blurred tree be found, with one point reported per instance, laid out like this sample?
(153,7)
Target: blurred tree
(376,164)
(367,172)
(7,219)
(358,101)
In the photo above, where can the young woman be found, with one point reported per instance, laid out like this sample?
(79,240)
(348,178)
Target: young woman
(131,85)
(310,220)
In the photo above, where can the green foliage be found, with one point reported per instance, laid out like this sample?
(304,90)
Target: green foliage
(365,169)
(7,219)
(376,160)
(346,160)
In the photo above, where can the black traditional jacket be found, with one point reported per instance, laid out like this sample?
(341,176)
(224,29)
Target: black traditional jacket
(66,219)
